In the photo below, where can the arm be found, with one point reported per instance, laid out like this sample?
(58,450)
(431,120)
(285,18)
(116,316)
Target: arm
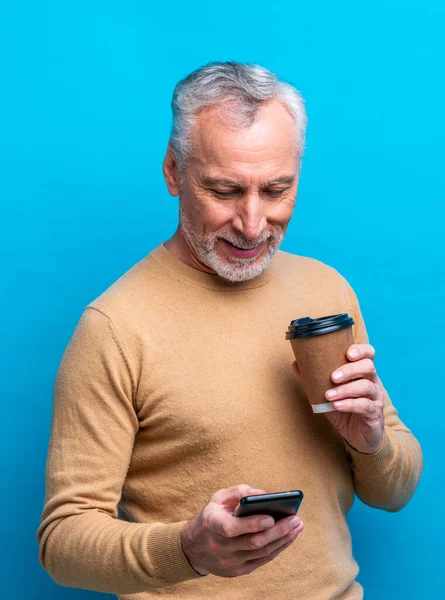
(387,478)
(385,458)
(82,544)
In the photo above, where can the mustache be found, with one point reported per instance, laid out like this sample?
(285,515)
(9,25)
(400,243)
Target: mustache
(245,243)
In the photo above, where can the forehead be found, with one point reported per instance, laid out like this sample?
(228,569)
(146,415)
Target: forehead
(267,146)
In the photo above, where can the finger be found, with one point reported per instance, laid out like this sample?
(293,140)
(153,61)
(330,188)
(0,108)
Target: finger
(251,565)
(258,540)
(218,517)
(296,370)
(230,497)
(360,406)
(360,351)
(273,546)
(357,389)
(228,526)
(355,370)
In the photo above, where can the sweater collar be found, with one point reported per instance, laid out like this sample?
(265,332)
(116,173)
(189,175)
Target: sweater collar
(167,260)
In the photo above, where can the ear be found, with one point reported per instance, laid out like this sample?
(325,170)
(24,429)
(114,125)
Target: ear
(171,173)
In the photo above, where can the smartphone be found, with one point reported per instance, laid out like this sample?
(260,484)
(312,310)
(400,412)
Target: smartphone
(278,505)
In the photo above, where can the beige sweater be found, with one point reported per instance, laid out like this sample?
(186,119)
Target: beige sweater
(176,384)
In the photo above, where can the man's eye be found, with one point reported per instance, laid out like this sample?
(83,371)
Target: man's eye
(225,194)
(274,193)
(234,193)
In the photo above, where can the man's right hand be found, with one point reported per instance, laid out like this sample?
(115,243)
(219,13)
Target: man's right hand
(217,542)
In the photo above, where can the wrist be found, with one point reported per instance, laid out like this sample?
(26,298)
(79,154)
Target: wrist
(366,448)
(368,451)
(187,546)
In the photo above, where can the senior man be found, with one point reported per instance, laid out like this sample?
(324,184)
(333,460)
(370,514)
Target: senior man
(176,393)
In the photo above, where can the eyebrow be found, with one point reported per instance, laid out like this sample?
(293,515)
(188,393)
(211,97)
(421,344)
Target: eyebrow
(221,181)
(283,179)
(209,181)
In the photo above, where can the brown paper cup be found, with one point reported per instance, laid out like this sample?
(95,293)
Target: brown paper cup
(317,358)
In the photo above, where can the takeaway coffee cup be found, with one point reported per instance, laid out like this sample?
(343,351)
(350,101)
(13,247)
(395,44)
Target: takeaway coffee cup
(320,347)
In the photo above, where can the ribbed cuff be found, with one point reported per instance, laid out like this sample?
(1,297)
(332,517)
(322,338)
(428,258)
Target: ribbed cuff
(379,461)
(167,557)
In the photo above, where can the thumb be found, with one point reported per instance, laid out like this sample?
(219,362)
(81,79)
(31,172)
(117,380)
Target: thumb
(230,497)
(296,370)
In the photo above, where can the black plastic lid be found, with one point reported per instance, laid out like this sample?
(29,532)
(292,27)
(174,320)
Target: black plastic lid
(307,327)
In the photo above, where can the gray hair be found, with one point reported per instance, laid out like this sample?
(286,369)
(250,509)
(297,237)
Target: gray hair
(240,89)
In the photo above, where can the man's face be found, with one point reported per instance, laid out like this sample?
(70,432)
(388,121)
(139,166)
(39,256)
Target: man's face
(238,191)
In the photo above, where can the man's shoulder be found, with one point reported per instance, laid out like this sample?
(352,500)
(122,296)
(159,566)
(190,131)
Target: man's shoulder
(122,298)
(317,288)
(305,267)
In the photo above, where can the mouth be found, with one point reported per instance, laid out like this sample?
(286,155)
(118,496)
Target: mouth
(238,252)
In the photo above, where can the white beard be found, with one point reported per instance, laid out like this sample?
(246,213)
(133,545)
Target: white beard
(231,268)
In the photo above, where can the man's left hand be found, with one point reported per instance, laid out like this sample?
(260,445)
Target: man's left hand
(358,400)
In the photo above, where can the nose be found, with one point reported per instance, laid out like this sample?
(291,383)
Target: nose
(250,218)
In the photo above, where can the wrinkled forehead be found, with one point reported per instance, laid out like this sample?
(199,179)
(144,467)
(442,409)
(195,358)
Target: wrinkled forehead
(270,142)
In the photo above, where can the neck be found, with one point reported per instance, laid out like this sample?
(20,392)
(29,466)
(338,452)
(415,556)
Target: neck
(182,250)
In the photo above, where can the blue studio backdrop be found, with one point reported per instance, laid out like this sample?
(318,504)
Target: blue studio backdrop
(84,122)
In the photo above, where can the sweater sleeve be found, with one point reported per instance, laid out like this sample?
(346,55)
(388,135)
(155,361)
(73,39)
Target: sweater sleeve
(388,478)
(82,543)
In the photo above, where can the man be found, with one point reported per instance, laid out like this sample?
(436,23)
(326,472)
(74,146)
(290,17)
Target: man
(176,392)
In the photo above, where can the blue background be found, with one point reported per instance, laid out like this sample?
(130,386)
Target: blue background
(84,122)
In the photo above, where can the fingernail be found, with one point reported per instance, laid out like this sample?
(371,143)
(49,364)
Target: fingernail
(337,375)
(266,523)
(353,353)
(339,404)
(331,393)
(294,522)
